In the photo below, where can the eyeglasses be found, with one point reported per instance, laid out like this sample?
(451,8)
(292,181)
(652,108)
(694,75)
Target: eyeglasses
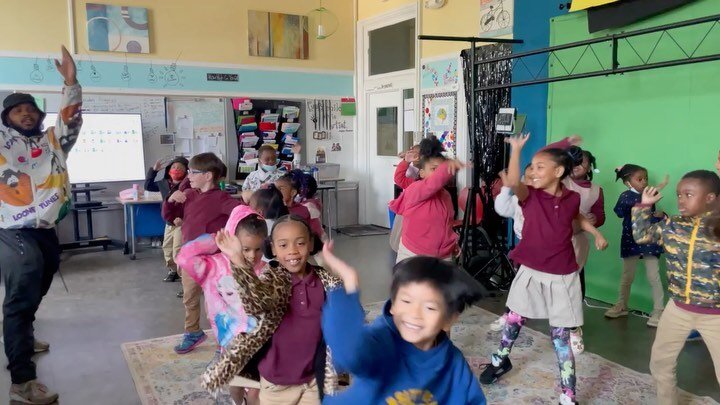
(193,171)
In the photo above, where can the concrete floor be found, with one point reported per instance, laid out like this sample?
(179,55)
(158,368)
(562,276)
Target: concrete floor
(113,300)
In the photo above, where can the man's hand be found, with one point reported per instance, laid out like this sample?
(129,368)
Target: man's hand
(178,222)
(66,67)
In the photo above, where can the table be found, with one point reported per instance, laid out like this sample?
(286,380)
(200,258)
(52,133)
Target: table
(128,206)
(323,187)
(129,247)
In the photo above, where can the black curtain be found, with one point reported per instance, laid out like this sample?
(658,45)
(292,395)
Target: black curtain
(487,148)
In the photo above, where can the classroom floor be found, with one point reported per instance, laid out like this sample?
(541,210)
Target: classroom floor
(112,300)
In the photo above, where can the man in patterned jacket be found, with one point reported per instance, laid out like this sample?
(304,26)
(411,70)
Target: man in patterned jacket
(34,196)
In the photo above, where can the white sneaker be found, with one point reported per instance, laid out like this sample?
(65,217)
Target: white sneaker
(576,341)
(654,318)
(498,324)
(32,392)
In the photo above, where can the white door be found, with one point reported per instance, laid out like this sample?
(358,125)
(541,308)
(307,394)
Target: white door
(384,129)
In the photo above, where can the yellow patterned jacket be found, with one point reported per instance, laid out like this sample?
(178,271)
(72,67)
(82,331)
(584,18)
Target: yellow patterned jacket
(691,252)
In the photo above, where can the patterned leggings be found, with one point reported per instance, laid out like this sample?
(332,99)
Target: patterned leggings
(561,342)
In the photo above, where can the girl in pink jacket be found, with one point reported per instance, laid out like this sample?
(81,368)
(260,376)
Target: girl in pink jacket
(211,269)
(427,207)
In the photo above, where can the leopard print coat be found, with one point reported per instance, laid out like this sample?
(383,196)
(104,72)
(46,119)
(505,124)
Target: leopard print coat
(266,297)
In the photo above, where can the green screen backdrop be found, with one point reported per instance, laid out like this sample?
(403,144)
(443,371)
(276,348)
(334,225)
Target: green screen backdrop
(667,120)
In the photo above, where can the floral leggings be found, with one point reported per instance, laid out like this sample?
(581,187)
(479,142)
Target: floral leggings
(561,342)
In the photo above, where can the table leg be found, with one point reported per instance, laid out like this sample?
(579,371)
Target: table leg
(132,233)
(126,248)
(337,208)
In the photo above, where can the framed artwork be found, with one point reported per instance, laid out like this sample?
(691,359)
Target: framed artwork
(278,35)
(117,28)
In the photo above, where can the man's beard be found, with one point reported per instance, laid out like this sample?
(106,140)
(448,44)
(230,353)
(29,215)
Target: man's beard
(28,132)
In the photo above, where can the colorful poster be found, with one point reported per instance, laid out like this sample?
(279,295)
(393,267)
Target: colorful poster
(440,119)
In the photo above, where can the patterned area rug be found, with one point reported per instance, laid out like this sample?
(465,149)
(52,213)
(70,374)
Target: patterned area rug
(163,377)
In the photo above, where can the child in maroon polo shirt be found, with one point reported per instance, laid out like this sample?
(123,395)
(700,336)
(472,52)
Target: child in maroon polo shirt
(547,285)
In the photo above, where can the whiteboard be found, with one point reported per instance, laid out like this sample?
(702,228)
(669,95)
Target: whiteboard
(209,125)
(109,148)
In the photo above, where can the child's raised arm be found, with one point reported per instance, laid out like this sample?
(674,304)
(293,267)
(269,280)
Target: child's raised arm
(514,173)
(587,226)
(355,348)
(194,257)
(645,229)
(504,205)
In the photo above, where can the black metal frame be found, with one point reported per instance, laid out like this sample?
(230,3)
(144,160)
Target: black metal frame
(468,234)
(614,40)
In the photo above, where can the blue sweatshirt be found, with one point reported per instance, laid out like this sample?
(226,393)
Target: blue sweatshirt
(387,369)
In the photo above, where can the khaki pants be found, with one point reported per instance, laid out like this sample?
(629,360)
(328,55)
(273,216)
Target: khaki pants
(191,299)
(306,394)
(652,270)
(674,328)
(172,241)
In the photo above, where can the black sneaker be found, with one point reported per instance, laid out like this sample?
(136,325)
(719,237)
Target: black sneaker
(492,373)
(180,294)
(171,277)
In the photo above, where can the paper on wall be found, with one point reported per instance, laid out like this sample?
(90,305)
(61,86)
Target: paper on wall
(184,127)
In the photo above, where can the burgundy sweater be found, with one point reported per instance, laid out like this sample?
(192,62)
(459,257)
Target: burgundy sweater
(201,213)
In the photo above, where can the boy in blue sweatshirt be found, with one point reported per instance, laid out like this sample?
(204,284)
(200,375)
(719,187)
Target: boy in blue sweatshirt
(404,356)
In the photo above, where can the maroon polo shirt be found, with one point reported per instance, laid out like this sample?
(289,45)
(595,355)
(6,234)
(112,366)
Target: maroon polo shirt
(546,243)
(291,357)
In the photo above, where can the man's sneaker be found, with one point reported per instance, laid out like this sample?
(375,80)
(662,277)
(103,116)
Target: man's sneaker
(496,369)
(499,324)
(171,276)
(693,336)
(190,341)
(39,346)
(616,311)
(654,318)
(565,399)
(576,341)
(32,392)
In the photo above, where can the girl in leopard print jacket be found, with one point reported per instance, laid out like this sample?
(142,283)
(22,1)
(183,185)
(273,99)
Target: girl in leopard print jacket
(286,350)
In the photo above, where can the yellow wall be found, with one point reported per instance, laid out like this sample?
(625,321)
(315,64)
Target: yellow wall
(371,8)
(204,31)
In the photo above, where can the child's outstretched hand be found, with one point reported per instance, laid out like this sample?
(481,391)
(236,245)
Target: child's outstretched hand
(455,166)
(411,156)
(504,178)
(518,141)
(230,245)
(177,197)
(664,183)
(600,242)
(343,270)
(717,164)
(651,195)
(575,140)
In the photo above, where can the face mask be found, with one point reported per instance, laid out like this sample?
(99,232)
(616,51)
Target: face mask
(177,174)
(268,168)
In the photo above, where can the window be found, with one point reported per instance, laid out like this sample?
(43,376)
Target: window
(387,131)
(392,48)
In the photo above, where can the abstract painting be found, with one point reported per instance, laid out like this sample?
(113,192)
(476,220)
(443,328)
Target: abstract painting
(278,35)
(117,28)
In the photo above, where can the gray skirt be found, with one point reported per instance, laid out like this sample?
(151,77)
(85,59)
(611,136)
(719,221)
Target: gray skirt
(538,295)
